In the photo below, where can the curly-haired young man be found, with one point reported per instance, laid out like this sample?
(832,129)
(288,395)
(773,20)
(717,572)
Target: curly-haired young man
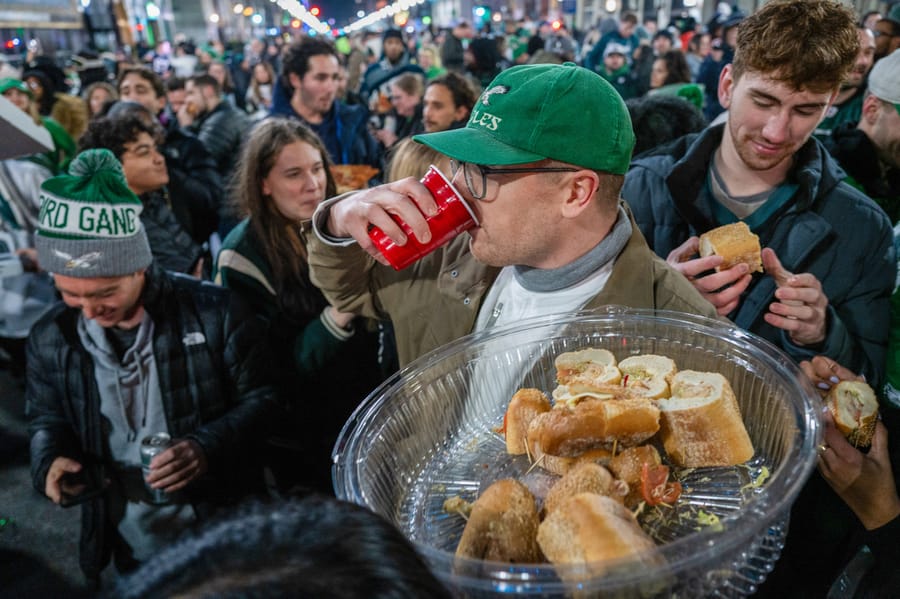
(828,249)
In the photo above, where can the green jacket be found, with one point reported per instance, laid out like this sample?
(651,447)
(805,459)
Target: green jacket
(325,371)
(436,300)
(241,266)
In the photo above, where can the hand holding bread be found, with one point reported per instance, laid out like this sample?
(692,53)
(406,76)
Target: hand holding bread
(735,243)
(864,481)
(721,288)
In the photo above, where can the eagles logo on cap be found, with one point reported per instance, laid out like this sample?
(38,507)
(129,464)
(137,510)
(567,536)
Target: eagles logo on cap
(497,89)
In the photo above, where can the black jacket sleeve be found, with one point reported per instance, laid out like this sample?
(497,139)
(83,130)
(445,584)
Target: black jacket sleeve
(49,427)
(195,186)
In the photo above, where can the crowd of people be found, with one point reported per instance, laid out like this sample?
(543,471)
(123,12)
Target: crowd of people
(194,265)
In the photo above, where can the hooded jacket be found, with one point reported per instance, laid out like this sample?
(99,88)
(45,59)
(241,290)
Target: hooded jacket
(215,383)
(827,228)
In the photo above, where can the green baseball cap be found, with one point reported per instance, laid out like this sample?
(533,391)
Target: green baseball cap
(8,83)
(534,112)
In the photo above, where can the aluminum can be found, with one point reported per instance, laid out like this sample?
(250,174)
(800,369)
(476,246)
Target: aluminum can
(152,445)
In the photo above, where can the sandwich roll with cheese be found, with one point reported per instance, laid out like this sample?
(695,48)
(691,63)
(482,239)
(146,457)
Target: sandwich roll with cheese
(522,409)
(854,407)
(584,478)
(735,243)
(503,525)
(588,530)
(587,369)
(570,431)
(701,424)
(648,375)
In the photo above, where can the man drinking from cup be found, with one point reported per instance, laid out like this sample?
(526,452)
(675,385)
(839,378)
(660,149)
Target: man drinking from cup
(540,163)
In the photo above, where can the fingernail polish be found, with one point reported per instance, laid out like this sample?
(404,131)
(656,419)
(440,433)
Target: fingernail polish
(823,386)
(835,380)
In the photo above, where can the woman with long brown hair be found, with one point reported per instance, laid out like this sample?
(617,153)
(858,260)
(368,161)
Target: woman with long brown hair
(329,357)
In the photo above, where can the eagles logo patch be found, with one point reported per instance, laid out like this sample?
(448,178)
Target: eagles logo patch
(497,89)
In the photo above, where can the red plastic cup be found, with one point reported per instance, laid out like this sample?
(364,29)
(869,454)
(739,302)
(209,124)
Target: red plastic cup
(453,217)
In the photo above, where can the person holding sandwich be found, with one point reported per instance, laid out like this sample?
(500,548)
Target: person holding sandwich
(540,162)
(828,249)
(867,483)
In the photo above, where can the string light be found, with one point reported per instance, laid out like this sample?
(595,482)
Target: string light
(298,11)
(381,14)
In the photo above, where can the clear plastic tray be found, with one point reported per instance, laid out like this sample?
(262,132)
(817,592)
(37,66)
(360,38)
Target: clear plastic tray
(427,434)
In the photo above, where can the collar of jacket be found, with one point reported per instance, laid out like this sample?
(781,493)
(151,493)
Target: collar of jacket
(157,287)
(222,107)
(814,171)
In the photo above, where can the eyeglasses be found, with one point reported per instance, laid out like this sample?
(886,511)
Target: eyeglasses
(476,175)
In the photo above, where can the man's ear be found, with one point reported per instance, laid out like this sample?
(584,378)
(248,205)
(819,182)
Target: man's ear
(294,80)
(582,187)
(726,86)
(870,108)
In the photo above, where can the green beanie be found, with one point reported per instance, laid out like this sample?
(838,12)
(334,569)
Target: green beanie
(89,224)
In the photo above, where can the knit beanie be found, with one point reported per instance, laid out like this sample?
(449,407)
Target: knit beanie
(89,224)
(389,33)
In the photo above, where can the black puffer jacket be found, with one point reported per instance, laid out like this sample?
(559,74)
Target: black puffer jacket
(216,388)
(170,243)
(195,186)
(222,132)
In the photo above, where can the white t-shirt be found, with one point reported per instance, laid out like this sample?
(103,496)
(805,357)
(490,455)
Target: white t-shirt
(508,302)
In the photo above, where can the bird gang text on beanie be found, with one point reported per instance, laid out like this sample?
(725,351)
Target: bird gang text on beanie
(89,224)
(543,111)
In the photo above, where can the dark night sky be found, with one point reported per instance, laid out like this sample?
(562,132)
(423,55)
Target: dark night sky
(342,11)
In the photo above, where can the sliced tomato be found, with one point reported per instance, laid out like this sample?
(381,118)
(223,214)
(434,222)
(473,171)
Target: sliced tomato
(655,485)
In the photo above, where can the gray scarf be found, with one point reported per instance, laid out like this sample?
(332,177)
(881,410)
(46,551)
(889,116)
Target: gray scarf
(536,279)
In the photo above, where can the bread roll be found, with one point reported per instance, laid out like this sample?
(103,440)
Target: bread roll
(523,407)
(648,375)
(584,478)
(587,369)
(735,243)
(855,410)
(561,465)
(701,424)
(565,395)
(502,526)
(589,530)
(627,465)
(570,431)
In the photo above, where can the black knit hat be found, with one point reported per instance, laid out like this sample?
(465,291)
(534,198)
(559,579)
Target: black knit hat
(389,33)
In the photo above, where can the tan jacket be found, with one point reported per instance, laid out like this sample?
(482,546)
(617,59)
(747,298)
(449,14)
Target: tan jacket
(436,300)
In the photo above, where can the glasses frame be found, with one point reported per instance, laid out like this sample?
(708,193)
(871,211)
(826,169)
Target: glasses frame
(456,166)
